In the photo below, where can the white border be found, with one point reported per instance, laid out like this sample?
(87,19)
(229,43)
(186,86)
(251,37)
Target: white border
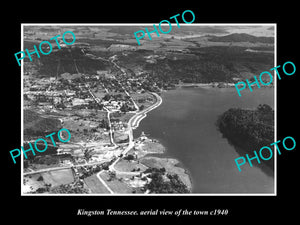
(150,24)
(275,109)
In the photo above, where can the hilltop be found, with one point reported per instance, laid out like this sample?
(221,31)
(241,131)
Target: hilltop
(242,37)
(248,129)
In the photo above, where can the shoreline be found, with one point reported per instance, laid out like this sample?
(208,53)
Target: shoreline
(173,165)
(163,158)
(213,85)
(141,115)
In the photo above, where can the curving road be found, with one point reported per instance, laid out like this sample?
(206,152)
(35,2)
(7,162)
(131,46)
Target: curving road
(133,124)
(65,167)
(103,182)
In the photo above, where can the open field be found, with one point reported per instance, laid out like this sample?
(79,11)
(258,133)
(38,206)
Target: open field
(116,185)
(35,166)
(55,178)
(95,185)
(128,166)
(58,177)
(83,128)
(149,147)
(124,117)
(145,99)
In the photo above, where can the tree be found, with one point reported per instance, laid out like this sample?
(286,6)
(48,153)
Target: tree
(129,157)
(248,129)
(264,108)
(162,170)
(26,164)
(104,124)
(112,175)
(41,190)
(142,107)
(25,97)
(159,185)
(106,97)
(61,105)
(105,166)
(40,178)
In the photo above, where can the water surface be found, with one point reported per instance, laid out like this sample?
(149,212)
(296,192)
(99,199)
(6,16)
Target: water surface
(185,124)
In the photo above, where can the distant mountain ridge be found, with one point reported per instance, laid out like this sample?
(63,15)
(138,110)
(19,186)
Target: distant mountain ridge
(242,37)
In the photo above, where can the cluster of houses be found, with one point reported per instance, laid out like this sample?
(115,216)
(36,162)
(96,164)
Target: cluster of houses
(56,93)
(121,47)
(118,125)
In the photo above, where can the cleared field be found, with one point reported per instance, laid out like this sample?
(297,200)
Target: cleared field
(124,117)
(145,99)
(149,147)
(120,137)
(115,184)
(128,166)
(95,185)
(58,177)
(83,129)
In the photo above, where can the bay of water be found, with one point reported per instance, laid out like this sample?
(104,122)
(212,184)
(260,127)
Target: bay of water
(185,124)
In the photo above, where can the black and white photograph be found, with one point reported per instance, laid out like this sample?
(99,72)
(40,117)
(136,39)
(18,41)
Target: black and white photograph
(162,117)
(134,113)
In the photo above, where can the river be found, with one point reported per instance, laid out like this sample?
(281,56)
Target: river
(185,124)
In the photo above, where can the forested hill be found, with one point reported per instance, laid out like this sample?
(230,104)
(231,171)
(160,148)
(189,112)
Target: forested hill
(241,37)
(248,129)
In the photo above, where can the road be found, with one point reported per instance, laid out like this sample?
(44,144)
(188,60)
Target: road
(108,117)
(134,121)
(133,124)
(65,167)
(103,182)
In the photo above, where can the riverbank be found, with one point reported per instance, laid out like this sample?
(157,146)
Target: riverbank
(150,152)
(186,125)
(215,85)
(135,120)
(244,128)
(171,166)
(204,85)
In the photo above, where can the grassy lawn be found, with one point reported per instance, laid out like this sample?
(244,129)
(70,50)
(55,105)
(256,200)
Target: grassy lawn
(145,99)
(127,166)
(82,128)
(58,177)
(95,185)
(36,166)
(124,117)
(116,185)
(148,147)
